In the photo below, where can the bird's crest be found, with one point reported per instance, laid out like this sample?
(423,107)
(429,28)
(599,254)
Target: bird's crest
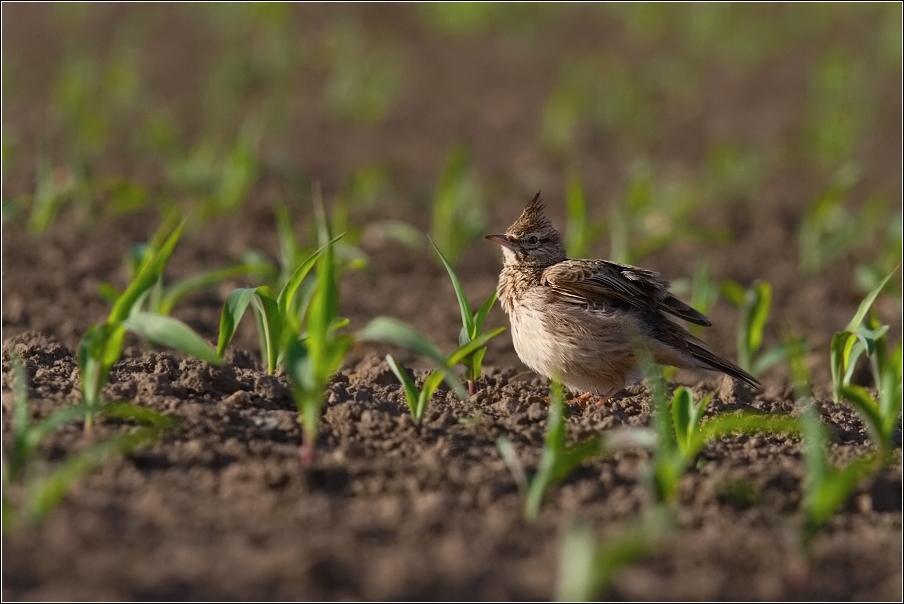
(532,218)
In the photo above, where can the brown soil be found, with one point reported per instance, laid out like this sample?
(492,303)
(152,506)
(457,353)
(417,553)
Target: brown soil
(221,509)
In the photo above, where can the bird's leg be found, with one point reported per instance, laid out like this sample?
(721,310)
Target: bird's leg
(605,398)
(583,399)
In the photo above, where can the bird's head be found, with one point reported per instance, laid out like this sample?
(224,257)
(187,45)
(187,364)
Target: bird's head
(531,240)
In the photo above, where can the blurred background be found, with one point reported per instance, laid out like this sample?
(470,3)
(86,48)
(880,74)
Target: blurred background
(712,142)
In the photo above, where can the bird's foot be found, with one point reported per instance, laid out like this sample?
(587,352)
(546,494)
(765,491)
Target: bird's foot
(582,400)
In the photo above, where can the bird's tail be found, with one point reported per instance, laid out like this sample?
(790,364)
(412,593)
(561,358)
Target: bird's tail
(713,361)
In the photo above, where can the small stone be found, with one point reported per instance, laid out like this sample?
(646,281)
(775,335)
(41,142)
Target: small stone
(536,412)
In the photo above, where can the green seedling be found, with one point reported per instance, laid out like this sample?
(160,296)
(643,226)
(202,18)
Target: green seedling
(42,491)
(364,80)
(557,461)
(102,344)
(702,289)
(868,274)
(679,434)
(755,304)
(826,488)
(829,230)
(396,333)
(587,567)
(458,217)
(278,316)
(162,298)
(471,327)
(655,213)
(580,231)
(868,336)
(54,187)
(216,177)
(316,354)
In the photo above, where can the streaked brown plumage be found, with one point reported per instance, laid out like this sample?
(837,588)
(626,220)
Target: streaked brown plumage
(587,323)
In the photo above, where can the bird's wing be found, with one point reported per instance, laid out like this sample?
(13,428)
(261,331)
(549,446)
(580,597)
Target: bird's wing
(603,282)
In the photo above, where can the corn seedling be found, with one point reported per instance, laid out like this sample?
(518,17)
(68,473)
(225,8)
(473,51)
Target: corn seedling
(868,336)
(277,315)
(313,356)
(826,488)
(42,491)
(587,567)
(868,274)
(102,344)
(655,214)
(458,213)
(471,327)
(755,304)
(217,179)
(829,230)
(557,461)
(162,297)
(364,79)
(396,333)
(679,434)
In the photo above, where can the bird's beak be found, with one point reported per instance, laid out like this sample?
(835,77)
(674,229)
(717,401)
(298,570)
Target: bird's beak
(501,240)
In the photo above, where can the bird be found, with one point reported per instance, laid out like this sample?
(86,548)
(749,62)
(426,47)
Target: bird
(593,324)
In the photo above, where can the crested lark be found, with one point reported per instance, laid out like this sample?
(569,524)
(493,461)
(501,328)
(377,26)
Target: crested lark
(586,323)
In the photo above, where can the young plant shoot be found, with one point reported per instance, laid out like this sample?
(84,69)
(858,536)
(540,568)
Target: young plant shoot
(102,344)
(471,327)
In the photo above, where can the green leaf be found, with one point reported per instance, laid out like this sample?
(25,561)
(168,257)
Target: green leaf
(467,318)
(397,333)
(171,333)
(287,295)
(137,413)
(484,310)
(233,310)
(759,313)
(868,410)
(147,277)
(682,401)
(411,392)
(269,325)
(205,280)
(867,302)
(745,423)
(44,494)
(840,348)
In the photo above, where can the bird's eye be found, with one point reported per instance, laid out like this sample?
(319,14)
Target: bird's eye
(533,240)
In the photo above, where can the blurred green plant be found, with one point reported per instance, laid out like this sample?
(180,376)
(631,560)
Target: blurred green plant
(829,230)
(655,214)
(580,230)
(364,79)
(868,336)
(587,567)
(458,214)
(840,109)
(557,460)
(755,304)
(214,176)
(598,94)
(868,274)
(471,327)
(30,491)
(102,344)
